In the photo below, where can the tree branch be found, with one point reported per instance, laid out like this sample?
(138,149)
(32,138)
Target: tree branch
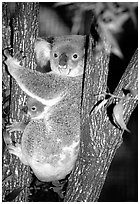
(129,81)
(99,138)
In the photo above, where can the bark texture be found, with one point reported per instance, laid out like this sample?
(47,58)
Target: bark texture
(99,137)
(19,33)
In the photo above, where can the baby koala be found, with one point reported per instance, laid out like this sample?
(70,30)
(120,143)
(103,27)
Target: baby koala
(33,110)
(51,138)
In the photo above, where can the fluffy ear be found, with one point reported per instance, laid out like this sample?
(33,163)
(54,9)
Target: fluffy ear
(42,51)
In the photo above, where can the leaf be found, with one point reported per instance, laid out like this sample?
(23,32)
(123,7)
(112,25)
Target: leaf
(97,108)
(11,196)
(58,190)
(115,48)
(134,92)
(131,7)
(8,178)
(111,26)
(61,4)
(118,116)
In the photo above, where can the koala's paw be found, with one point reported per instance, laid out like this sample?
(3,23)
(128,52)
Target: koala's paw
(15,126)
(16,150)
(18,56)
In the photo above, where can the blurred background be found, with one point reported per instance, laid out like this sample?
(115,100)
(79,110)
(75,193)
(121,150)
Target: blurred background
(118,22)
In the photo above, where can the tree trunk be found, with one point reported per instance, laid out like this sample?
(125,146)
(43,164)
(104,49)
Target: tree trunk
(19,33)
(99,137)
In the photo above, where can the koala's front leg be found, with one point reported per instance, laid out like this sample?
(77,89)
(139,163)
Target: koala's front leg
(17,150)
(16,126)
(47,88)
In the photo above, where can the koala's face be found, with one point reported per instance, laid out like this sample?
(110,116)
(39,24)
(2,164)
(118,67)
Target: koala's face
(35,108)
(67,57)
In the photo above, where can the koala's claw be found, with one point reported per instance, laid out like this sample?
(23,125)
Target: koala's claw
(18,55)
(16,150)
(6,51)
(15,126)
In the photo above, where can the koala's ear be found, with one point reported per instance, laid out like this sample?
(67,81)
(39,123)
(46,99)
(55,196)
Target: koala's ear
(42,50)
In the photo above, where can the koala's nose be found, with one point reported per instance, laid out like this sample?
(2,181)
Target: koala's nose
(63,59)
(25,109)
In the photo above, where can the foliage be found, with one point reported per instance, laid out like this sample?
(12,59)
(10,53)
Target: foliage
(110,16)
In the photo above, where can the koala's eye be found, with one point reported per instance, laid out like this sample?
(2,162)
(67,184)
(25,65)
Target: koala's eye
(55,55)
(75,56)
(33,108)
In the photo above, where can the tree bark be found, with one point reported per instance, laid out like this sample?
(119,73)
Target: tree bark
(100,139)
(19,33)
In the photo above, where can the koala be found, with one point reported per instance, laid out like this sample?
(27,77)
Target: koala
(66,58)
(33,110)
(50,140)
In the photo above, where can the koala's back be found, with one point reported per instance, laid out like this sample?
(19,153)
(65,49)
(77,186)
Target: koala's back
(50,152)
(52,143)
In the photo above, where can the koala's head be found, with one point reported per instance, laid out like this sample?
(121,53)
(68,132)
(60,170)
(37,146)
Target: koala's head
(66,54)
(35,108)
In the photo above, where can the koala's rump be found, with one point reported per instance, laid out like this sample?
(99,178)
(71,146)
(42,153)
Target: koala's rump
(37,142)
(43,140)
(60,164)
(47,155)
